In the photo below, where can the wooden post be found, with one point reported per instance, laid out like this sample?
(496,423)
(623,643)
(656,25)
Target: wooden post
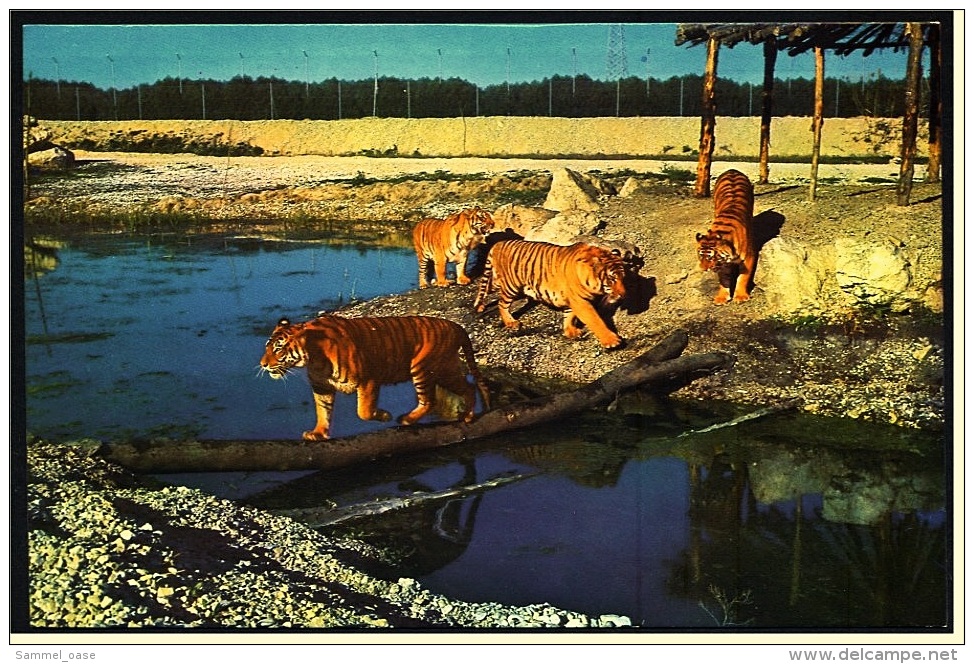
(818,118)
(708,121)
(767,104)
(936,104)
(911,113)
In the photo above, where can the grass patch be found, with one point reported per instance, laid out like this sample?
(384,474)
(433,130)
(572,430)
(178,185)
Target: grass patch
(526,197)
(43,218)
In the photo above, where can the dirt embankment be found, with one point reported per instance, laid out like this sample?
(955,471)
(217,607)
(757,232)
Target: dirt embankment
(593,138)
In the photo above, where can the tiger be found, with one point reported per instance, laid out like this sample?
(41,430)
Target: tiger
(362,354)
(728,247)
(574,279)
(449,240)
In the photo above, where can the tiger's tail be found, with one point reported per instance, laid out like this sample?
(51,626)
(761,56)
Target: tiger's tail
(484,287)
(466,348)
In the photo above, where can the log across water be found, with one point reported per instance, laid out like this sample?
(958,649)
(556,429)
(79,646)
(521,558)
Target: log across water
(662,364)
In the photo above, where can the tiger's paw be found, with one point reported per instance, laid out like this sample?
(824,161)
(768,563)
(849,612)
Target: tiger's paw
(619,344)
(721,299)
(314,435)
(742,298)
(409,418)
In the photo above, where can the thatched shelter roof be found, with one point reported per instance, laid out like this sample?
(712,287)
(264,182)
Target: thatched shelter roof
(797,38)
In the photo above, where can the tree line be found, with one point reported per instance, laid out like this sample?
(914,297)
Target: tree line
(261,98)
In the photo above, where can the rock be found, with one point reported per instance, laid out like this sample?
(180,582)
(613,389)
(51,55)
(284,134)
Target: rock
(612,620)
(933,298)
(521,219)
(55,157)
(872,273)
(601,186)
(571,191)
(631,186)
(791,274)
(565,227)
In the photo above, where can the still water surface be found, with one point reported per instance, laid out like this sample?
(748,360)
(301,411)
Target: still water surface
(777,523)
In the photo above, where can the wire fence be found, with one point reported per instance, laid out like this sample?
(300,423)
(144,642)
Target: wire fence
(245,98)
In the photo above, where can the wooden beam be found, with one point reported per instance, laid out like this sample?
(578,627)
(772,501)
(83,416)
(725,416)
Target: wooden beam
(767,108)
(818,119)
(911,113)
(708,121)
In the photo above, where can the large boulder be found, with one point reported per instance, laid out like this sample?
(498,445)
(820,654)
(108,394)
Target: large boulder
(791,274)
(571,191)
(55,158)
(873,273)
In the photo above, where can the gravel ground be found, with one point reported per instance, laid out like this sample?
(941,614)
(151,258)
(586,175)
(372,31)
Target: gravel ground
(107,551)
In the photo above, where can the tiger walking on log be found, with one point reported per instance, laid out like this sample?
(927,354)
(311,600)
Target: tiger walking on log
(362,354)
(728,247)
(574,279)
(449,240)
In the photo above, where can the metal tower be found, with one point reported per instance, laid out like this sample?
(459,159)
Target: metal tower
(616,63)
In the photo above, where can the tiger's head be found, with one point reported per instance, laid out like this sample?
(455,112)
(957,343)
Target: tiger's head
(715,251)
(603,273)
(479,221)
(284,350)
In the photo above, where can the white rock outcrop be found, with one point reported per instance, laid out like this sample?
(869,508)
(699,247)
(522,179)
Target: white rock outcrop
(874,273)
(571,191)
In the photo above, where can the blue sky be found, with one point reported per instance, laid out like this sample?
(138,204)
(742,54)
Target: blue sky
(141,54)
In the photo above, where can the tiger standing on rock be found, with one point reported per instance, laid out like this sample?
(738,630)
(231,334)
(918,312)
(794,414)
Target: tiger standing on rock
(574,279)
(728,247)
(449,240)
(362,354)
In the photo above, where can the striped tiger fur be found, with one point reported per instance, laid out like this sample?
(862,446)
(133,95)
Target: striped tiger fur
(728,247)
(573,279)
(362,354)
(449,240)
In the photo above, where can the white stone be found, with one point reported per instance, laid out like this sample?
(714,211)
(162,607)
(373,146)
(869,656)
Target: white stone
(872,272)
(571,191)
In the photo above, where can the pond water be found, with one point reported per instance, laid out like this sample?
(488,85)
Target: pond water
(786,522)
(162,337)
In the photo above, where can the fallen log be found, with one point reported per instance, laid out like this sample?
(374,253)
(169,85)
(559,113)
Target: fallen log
(661,363)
